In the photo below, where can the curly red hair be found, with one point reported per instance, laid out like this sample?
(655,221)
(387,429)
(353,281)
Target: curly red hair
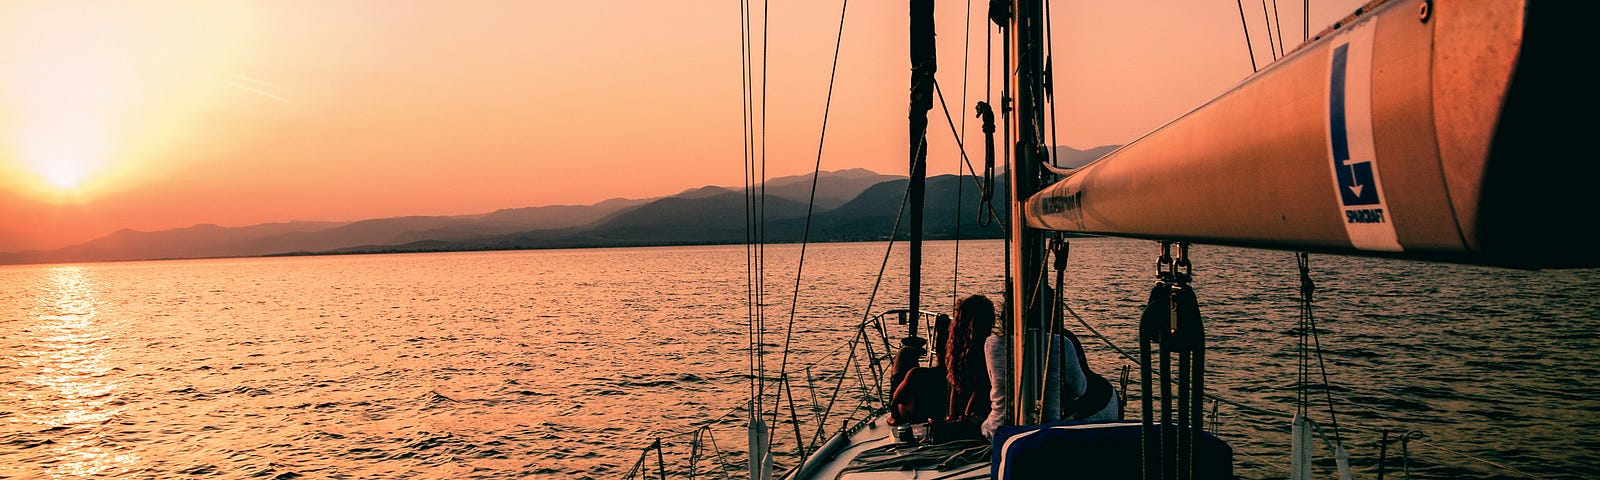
(968,374)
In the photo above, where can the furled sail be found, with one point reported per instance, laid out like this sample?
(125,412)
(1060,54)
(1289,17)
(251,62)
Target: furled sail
(1425,130)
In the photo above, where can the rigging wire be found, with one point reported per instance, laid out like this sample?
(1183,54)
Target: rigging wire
(1050,81)
(1279,23)
(1005,116)
(746,72)
(1266,20)
(822,418)
(1247,46)
(755,172)
(761,357)
(1302,371)
(966,53)
(794,301)
(1305,21)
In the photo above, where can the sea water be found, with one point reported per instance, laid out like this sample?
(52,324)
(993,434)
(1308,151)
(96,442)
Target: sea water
(568,363)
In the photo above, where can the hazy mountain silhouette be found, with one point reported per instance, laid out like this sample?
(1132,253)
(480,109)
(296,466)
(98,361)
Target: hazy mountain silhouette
(871,215)
(1068,157)
(11,241)
(704,215)
(851,205)
(199,241)
(712,215)
(833,188)
(559,216)
(207,241)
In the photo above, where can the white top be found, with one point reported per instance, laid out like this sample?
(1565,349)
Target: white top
(1062,370)
(994,352)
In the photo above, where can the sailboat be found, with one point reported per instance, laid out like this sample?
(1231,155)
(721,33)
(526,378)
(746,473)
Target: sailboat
(1411,129)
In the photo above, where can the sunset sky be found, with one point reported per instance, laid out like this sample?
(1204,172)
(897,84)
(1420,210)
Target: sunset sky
(164,114)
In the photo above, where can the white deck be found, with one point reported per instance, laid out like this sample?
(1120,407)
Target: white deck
(878,434)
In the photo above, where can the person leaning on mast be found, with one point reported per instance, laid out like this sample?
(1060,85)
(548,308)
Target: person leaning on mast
(994,349)
(1072,391)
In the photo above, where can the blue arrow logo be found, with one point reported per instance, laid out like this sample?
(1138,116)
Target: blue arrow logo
(1353,175)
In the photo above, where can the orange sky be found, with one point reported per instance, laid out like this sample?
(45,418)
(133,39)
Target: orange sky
(164,114)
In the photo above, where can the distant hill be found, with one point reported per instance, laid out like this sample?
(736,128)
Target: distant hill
(199,241)
(833,188)
(850,205)
(558,216)
(871,215)
(1068,157)
(12,241)
(708,214)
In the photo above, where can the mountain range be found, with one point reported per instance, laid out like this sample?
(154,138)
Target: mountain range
(849,205)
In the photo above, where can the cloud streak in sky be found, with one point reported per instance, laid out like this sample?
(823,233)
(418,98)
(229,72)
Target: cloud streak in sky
(257,87)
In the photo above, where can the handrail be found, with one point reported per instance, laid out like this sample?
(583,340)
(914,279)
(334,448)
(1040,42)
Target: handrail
(863,349)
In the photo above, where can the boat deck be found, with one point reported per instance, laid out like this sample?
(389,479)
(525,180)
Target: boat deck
(872,453)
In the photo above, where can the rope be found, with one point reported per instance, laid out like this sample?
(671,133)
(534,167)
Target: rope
(1307,287)
(986,189)
(962,148)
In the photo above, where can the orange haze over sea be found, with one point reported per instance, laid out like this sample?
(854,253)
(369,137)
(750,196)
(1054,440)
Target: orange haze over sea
(163,114)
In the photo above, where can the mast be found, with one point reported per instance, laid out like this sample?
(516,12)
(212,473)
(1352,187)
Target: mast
(1025,45)
(923,63)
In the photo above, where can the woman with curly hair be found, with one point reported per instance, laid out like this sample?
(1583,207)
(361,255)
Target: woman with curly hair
(968,371)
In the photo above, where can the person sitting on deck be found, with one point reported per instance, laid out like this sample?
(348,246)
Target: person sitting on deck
(917,392)
(968,370)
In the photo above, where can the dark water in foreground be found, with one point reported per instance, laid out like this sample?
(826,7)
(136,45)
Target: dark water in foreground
(564,364)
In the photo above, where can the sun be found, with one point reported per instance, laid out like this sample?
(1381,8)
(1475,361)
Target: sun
(61,157)
(96,97)
(65,175)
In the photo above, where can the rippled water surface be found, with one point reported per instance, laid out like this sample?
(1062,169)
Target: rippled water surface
(566,363)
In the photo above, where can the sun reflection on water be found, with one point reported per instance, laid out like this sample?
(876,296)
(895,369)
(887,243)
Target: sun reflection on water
(69,401)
